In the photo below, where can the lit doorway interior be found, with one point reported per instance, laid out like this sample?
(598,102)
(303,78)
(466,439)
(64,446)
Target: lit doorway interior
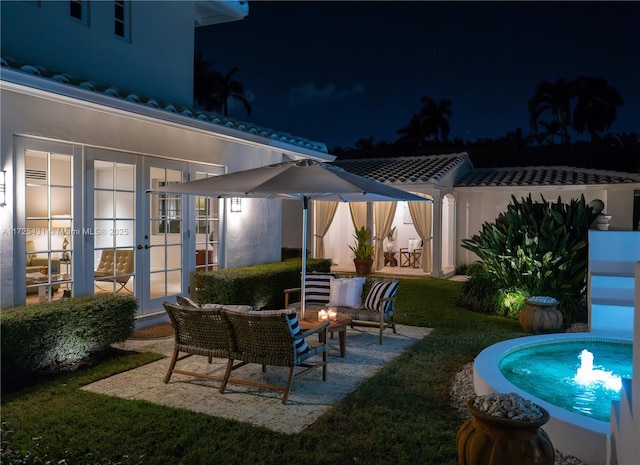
(47,229)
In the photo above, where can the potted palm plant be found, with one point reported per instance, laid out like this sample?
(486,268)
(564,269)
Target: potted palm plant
(363,251)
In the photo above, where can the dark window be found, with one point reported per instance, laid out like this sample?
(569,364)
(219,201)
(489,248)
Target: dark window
(75,9)
(119,18)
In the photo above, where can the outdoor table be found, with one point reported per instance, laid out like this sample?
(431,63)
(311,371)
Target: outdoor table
(338,326)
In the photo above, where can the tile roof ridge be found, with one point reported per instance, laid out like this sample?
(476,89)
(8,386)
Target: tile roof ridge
(558,168)
(407,157)
(409,169)
(135,98)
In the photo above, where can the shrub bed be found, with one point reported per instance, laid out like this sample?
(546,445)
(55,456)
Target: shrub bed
(57,335)
(534,248)
(261,286)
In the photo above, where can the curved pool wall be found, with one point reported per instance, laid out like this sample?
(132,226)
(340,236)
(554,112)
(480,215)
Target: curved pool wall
(573,434)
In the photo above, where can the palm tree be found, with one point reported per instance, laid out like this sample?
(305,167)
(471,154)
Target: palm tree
(551,128)
(213,90)
(432,121)
(553,97)
(596,106)
(226,88)
(517,141)
(623,139)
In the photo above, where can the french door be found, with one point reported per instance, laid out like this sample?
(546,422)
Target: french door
(137,239)
(152,244)
(165,234)
(182,232)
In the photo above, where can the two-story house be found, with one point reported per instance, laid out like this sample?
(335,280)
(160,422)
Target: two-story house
(96,102)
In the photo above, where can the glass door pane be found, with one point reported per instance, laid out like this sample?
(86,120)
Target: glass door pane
(114,227)
(166,230)
(207,228)
(48,223)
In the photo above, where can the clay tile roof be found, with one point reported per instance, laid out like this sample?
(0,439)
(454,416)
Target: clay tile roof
(210,117)
(542,176)
(406,170)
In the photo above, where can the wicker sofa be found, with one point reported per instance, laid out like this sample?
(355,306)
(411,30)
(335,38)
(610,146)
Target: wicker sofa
(374,306)
(238,334)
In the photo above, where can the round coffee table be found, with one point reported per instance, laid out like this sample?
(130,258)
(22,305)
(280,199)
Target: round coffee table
(338,326)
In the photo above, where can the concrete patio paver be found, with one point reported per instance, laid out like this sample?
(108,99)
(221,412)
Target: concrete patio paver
(309,399)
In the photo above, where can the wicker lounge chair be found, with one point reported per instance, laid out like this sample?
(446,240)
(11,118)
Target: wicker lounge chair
(199,331)
(267,338)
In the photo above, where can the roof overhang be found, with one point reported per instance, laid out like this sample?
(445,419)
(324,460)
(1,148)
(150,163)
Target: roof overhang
(29,84)
(217,12)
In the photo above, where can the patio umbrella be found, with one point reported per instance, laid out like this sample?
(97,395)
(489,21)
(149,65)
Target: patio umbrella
(304,180)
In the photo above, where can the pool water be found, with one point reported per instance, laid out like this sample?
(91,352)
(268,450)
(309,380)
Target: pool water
(548,371)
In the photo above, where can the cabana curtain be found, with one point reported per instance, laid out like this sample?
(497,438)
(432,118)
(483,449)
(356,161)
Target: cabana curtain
(325,211)
(421,214)
(383,213)
(358,214)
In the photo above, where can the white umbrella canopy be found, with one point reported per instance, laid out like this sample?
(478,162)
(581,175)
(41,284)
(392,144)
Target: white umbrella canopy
(303,179)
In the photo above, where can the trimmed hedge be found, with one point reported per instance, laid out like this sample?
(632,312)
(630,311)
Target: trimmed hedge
(261,286)
(56,335)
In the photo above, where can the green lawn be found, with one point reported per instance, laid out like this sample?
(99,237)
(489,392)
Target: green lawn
(401,415)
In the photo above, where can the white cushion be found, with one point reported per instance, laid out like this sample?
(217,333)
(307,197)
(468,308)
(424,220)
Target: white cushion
(414,244)
(234,308)
(346,292)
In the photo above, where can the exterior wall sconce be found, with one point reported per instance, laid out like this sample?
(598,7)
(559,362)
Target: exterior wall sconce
(236,205)
(3,188)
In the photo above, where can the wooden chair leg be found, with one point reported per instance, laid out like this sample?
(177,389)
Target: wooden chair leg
(324,365)
(227,375)
(288,386)
(172,365)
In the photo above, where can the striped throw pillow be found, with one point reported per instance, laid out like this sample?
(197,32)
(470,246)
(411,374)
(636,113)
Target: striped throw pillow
(296,332)
(378,291)
(317,287)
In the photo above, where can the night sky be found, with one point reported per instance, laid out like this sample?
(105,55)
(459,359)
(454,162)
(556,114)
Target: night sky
(336,72)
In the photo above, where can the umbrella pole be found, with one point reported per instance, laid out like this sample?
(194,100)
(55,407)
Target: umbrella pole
(305,210)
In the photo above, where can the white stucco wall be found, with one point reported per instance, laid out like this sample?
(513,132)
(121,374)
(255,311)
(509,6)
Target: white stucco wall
(156,62)
(292,221)
(474,206)
(253,235)
(57,118)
